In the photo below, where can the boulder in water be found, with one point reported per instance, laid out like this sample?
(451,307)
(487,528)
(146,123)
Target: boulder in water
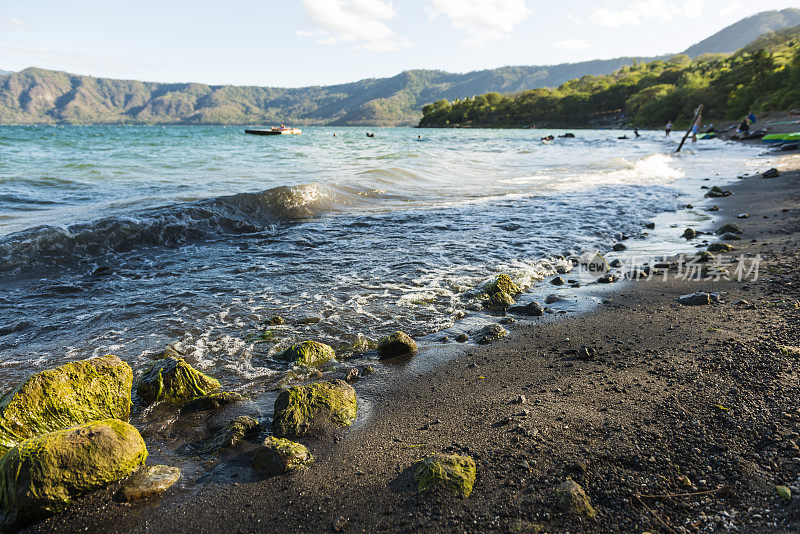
(504,284)
(277,456)
(72,394)
(234,432)
(452,471)
(307,354)
(44,474)
(499,301)
(397,344)
(171,379)
(314,409)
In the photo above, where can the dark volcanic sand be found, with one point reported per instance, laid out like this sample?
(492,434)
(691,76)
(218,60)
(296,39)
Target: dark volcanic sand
(698,391)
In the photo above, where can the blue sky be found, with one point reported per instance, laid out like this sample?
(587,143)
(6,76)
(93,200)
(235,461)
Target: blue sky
(317,42)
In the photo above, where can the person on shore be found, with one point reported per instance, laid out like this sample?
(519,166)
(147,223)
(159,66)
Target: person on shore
(696,128)
(751,117)
(668,128)
(744,127)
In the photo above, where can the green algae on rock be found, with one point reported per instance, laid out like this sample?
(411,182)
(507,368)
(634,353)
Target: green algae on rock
(42,475)
(397,344)
(213,401)
(499,301)
(72,394)
(231,434)
(361,345)
(307,354)
(502,283)
(453,471)
(720,247)
(173,380)
(277,456)
(314,409)
(571,498)
(148,481)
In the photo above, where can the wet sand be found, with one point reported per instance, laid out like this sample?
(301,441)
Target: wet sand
(702,392)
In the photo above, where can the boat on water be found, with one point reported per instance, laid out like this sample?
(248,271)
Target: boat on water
(276,130)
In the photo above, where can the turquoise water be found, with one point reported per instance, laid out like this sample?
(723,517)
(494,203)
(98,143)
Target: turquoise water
(129,239)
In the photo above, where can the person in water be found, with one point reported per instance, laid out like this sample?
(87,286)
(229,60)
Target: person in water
(668,128)
(636,132)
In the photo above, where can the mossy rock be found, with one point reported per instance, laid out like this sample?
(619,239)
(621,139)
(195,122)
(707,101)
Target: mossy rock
(234,432)
(502,283)
(720,247)
(314,409)
(213,401)
(397,344)
(148,481)
(452,471)
(307,354)
(689,233)
(704,256)
(277,456)
(490,333)
(173,380)
(500,301)
(72,394)
(728,229)
(571,498)
(361,345)
(44,474)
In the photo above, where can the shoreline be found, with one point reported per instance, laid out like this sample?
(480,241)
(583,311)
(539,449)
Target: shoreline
(623,425)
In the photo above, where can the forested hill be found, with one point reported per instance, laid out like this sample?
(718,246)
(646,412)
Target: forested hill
(49,97)
(763,76)
(735,36)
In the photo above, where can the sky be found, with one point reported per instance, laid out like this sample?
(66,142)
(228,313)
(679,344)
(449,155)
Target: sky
(292,43)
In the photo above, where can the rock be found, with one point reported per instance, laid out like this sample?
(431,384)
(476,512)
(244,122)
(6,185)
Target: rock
(619,247)
(276,320)
(462,338)
(173,380)
(730,237)
(783,492)
(571,498)
(339,523)
(499,301)
(504,284)
(214,401)
(771,173)
(704,256)
(728,229)
(361,345)
(397,344)
(720,247)
(532,309)
(507,320)
(276,456)
(689,206)
(608,278)
(699,298)
(586,353)
(490,333)
(231,434)
(367,370)
(452,471)
(148,481)
(689,233)
(352,374)
(743,216)
(552,298)
(72,394)
(716,192)
(714,207)
(520,399)
(314,409)
(557,281)
(616,263)
(307,354)
(43,475)
(650,225)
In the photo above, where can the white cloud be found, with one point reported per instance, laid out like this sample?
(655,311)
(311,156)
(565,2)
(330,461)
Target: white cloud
(731,8)
(11,22)
(482,20)
(571,44)
(357,22)
(640,11)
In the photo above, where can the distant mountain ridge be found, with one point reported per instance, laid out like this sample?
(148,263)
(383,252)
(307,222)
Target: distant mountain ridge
(741,33)
(39,96)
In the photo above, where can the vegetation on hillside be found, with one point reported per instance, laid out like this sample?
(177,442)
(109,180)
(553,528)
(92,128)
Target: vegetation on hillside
(762,76)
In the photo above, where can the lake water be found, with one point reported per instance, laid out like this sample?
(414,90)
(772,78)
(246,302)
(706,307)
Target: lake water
(126,240)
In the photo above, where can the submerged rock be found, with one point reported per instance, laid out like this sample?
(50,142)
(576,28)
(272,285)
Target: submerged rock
(490,333)
(619,247)
(689,233)
(314,409)
(397,344)
(500,301)
(173,380)
(452,471)
(234,432)
(462,337)
(72,394)
(720,247)
(361,345)
(307,354)
(532,309)
(43,475)
(571,498)
(213,401)
(277,456)
(148,481)
(504,284)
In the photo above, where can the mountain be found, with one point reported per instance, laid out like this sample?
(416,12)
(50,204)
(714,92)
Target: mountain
(50,97)
(741,33)
(4,72)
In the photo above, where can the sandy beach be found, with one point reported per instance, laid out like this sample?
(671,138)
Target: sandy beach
(684,420)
